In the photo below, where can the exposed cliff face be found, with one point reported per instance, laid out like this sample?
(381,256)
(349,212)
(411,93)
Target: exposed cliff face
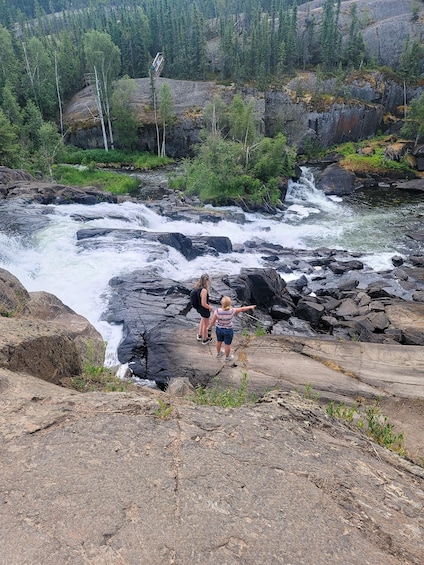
(385,25)
(370,98)
(190,99)
(336,124)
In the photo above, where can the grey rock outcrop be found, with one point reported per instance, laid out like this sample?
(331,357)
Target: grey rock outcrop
(370,99)
(384,25)
(369,307)
(20,185)
(190,248)
(41,336)
(13,295)
(219,485)
(101,478)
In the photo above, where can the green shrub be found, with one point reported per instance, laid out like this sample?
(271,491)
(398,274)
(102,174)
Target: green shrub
(98,378)
(371,420)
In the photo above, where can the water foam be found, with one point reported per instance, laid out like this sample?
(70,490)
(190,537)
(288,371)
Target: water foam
(79,275)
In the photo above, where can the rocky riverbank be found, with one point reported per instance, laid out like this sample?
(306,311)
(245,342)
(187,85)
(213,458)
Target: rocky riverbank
(148,476)
(117,478)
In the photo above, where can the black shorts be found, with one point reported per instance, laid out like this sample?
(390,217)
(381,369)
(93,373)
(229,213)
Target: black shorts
(204,312)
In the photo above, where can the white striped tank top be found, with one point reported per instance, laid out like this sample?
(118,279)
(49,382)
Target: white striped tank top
(224,318)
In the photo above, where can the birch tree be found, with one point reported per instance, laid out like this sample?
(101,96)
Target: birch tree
(242,123)
(40,75)
(103,59)
(167,112)
(50,143)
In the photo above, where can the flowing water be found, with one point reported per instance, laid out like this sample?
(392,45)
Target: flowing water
(51,260)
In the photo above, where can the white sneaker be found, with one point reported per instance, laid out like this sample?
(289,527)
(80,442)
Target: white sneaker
(220,354)
(229,358)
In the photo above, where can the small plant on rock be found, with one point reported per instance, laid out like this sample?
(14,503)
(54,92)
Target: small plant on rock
(371,421)
(342,411)
(379,428)
(260,330)
(164,411)
(309,394)
(224,397)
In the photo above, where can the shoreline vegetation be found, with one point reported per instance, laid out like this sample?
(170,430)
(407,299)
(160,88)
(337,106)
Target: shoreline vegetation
(86,167)
(104,169)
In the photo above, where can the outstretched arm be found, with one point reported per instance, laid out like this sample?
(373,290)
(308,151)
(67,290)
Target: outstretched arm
(244,308)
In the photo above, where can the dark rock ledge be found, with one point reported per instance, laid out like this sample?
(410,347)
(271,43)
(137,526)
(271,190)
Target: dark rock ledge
(345,302)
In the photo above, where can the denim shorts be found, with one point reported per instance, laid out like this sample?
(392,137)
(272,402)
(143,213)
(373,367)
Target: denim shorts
(225,334)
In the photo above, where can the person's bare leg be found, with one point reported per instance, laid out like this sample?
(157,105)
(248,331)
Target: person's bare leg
(218,346)
(204,323)
(227,350)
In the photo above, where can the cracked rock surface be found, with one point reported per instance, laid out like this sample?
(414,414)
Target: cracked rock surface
(101,478)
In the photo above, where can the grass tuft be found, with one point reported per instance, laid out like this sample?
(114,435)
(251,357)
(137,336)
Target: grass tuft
(106,180)
(96,378)
(164,411)
(217,395)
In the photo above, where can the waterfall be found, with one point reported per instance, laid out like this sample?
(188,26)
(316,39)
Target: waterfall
(50,259)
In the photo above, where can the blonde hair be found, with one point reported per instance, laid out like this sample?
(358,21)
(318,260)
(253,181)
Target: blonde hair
(226,302)
(203,282)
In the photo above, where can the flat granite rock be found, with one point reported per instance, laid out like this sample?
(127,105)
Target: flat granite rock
(101,478)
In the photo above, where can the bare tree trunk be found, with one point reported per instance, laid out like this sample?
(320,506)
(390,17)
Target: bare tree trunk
(157,125)
(30,74)
(59,98)
(246,147)
(153,87)
(100,109)
(404,99)
(162,151)
(107,105)
(214,128)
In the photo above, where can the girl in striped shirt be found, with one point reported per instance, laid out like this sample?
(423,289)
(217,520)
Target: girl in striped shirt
(223,318)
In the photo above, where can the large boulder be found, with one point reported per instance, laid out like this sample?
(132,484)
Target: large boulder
(263,287)
(13,295)
(337,181)
(41,336)
(10,175)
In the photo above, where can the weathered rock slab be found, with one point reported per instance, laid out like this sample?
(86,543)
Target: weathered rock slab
(102,479)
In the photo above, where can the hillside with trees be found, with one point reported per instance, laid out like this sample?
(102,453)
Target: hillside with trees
(50,50)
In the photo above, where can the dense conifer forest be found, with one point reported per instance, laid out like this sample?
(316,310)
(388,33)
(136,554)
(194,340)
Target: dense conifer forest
(51,49)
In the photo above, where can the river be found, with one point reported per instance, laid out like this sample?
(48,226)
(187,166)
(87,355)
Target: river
(51,260)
